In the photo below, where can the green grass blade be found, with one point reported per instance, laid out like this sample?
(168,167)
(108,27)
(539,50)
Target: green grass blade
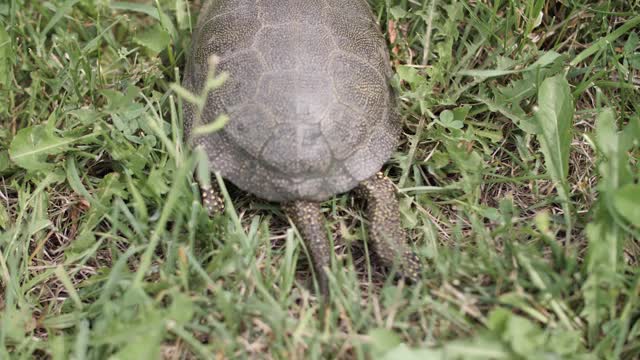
(60,13)
(605,41)
(555,120)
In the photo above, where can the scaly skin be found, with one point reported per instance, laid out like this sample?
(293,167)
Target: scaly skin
(307,217)
(212,200)
(387,237)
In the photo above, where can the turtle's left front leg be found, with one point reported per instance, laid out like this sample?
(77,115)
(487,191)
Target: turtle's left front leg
(386,235)
(307,216)
(212,200)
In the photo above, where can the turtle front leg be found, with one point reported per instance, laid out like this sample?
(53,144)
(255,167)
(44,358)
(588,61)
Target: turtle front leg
(309,221)
(211,199)
(387,237)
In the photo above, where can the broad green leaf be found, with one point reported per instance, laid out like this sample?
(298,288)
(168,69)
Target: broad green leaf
(121,101)
(632,43)
(408,214)
(470,164)
(5,162)
(182,309)
(182,15)
(151,10)
(448,119)
(4,217)
(383,340)
(555,119)
(157,182)
(398,12)
(630,134)
(60,13)
(403,352)
(147,9)
(5,58)
(567,343)
(514,113)
(546,59)
(604,256)
(32,145)
(522,336)
(154,39)
(57,348)
(487,73)
(627,203)
(478,348)
(634,61)
(73,178)
(613,167)
(84,241)
(460,113)
(15,322)
(494,136)
(603,263)
(145,345)
(606,133)
(410,75)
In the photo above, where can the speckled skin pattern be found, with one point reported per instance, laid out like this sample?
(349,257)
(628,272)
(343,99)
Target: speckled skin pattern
(386,234)
(212,200)
(311,108)
(310,223)
(312,113)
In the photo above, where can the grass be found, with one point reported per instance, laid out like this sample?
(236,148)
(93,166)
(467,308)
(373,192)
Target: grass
(518,177)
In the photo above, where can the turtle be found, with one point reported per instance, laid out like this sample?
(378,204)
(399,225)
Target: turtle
(312,115)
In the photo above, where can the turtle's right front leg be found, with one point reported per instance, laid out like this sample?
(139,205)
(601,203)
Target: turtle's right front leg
(308,218)
(212,200)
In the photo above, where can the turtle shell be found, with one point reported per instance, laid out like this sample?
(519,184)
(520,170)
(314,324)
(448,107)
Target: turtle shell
(311,109)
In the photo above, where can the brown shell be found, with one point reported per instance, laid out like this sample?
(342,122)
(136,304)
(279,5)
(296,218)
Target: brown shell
(312,112)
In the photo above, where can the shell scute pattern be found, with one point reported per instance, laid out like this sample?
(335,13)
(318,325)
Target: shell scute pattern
(308,153)
(296,98)
(225,34)
(344,129)
(373,151)
(354,36)
(221,7)
(308,95)
(244,131)
(308,49)
(358,9)
(357,84)
(305,11)
(236,90)
(271,39)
